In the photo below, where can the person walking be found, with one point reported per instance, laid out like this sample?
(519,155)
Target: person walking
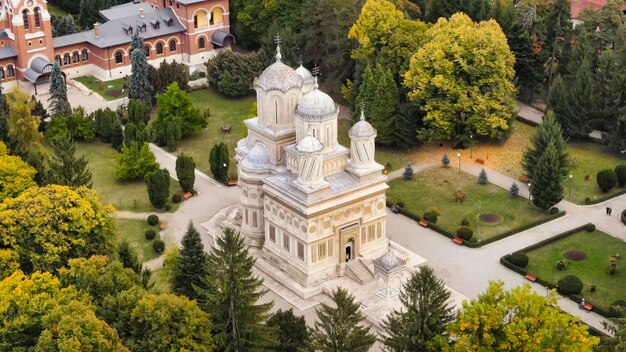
(610,211)
(607,210)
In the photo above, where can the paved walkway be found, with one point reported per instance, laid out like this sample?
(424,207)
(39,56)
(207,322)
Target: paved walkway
(535,116)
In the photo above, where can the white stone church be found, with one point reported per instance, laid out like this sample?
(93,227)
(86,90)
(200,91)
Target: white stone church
(311,208)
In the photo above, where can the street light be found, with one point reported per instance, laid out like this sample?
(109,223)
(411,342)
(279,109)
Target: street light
(570,186)
(471,139)
(459,155)
(529,193)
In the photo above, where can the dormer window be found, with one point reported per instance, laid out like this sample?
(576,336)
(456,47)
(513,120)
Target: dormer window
(155,24)
(168,21)
(142,27)
(128,29)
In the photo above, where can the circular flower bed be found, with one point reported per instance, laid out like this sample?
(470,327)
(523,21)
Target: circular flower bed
(575,256)
(489,218)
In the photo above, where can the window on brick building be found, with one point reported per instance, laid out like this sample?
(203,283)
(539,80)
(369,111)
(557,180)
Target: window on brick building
(75,57)
(58,60)
(147,49)
(36,15)
(118,57)
(10,71)
(159,48)
(25,19)
(1,72)
(85,55)
(66,59)
(172,45)
(201,43)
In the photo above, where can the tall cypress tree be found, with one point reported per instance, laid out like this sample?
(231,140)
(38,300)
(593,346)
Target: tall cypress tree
(185,172)
(548,132)
(189,269)
(424,315)
(547,182)
(64,167)
(128,257)
(340,329)
(139,87)
(379,95)
(231,296)
(158,184)
(59,105)
(223,162)
(581,102)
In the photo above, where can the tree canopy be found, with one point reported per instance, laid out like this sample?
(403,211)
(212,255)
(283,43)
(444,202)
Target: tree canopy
(16,176)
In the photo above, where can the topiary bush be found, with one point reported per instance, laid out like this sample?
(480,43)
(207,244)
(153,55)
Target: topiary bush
(167,207)
(620,173)
(560,265)
(570,284)
(590,227)
(554,211)
(623,216)
(606,180)
(408,172)
(482,177)
(431,216)
(153,219)
(520,259)
(177,198)
(158,246)
(150,234)
(514,190)
(465,233)
(445,161)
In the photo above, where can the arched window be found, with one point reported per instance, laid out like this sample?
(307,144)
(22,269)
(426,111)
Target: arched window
(147,49)
(36,13)
(85,55)
(75,57)
(201,43)
(10,71)
(159,48)
(118,57)
(201,19)
(25,19)
(58,60)
(66,59)
(1,72)
(172,45)
(170,2)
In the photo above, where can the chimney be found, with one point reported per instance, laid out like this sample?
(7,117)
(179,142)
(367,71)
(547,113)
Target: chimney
(141,13)
(96,30)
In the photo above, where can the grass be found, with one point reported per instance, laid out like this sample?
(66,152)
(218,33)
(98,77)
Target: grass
(56,11)
(109,90)
(224,111)
(132,230)
(593,271)
(125,195)
(435,188)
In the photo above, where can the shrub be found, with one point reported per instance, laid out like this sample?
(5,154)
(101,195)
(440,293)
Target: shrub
(520,259)
(167,207)
(232,73)
(158,246)
(177,198)
(560,265)
(158,185)
(388,166)
(408,172)
(465,233)
(400,204)
(623,216)
(431,216)
(445,161)
(590,227)
(482,177)
(465,222)
(153,219)
(587,200)
(606,179)
(617,309)
(185,172)
(570,284)
(150,234)
(620,173)
(514,190)
(554,211)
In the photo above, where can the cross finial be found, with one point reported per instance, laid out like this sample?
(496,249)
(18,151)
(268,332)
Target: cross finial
(362,104)
(316,71)
(278,40)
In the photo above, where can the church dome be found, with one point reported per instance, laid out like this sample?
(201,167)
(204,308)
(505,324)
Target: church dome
(316,105)
(257,159)
(278,76)
(388,262)
(362,129)
(309,145)
(305,74)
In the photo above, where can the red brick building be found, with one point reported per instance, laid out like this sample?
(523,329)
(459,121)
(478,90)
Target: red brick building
(188,31)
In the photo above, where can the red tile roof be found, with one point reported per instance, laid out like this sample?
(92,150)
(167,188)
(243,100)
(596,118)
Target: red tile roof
(579,6)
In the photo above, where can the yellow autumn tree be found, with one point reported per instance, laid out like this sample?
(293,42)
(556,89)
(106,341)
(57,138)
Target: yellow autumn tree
(517,321)
(462,80)
(23,126)
(16,176)
(47,226)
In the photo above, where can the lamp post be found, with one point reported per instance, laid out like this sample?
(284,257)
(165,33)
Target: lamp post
(471,139)
(459,155)
(528,193)
(570,186)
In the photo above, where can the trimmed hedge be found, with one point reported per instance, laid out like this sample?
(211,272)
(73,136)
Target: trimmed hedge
(177,198)
(623,216)
(570,284)
(153,219)
(606,180)
(465,233)
(604,198)
(519,259)
(158,246)
(150,234)
(590,227)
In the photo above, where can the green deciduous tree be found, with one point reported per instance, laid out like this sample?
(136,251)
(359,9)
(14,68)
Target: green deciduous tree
(185,172)
(134,162)
(233,73)
(64,167)
(158,184)
(293,333)
(517,320)
(139,87)
(424,315)
(189,267)
(4,119)
(461,79)
(167,73)
(176,102)
(351,336)
(16,176)
(231,296)
(59,105)
(76,124)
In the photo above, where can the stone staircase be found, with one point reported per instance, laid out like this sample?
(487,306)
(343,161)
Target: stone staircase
(361,271)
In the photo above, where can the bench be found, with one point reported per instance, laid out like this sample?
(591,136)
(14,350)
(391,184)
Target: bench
(587,306)
(523,179)
(587,177)
(230,183)
(531,277)
(423,223)
(162,225)
(187,195)
(226,128)
(457,241)
(480,161)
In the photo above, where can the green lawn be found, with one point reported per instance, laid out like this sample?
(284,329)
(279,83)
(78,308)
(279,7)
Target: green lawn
(132,230)
(593,271)
(131,196)
(435,188)
(224,111)
(109,90)
(588,159)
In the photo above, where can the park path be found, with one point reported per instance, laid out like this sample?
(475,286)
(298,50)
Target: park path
(535,117)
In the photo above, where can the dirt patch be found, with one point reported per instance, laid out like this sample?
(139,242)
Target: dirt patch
(575,256)
(489,218)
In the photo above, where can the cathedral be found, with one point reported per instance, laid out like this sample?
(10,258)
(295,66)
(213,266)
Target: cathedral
(310,207)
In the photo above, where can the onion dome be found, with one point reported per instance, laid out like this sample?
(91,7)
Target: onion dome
(388,262)
(362,129)
(257,159)
(306,75)
(279,76)
(316,105)
(309,145)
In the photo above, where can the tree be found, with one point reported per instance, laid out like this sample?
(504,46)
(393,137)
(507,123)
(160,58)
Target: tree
(548,132)
(16,176)
(167,73)
(40,112)
(424,315)
(558,28)
(218,162)
(158,184)
(59,105)
(292,330)
(616,343)
(139,87)
(445,161)
(64,25)
(232,74)
(68,222)
(547,180)
(462,99)
(65,168)
(231,296)
(128,257)
(185,172)
(352,336)
(514,190)
(176,102)
(24,136)
(139,134)
(134,162)
(76,124)
(517,320)
(105,122)
(379,95)
(117,137)
(408,172)
(580,103)
(89,11)
(138,112)
(189,267)
(606,179)
(482,177)
(4,119)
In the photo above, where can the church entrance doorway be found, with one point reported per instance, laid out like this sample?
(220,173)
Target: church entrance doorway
(350,250)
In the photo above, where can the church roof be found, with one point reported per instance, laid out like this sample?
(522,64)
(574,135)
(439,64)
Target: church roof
(316,105)
(309,145)
(388,262)
(257,159)
(305,74)
(362,129)
(123,10)
(278,76)
(7,52)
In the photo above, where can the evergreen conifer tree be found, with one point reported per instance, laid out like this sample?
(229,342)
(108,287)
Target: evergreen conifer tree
(406,125)
(130,133)
(185,172)
(158,184)
(137,112)
(340,329)
(548,132)
(59,105)
(482,177)
(223,162)
(424,315)
(292,330)
(379,95)
(408,172)
(213,161)
(139,87)
(445,161)
(580,103)
(547,181)
(558,100)
(231,295)
(128,257)
(514,190)
(65,168)
(117,136)
(189,268)
(39,111)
